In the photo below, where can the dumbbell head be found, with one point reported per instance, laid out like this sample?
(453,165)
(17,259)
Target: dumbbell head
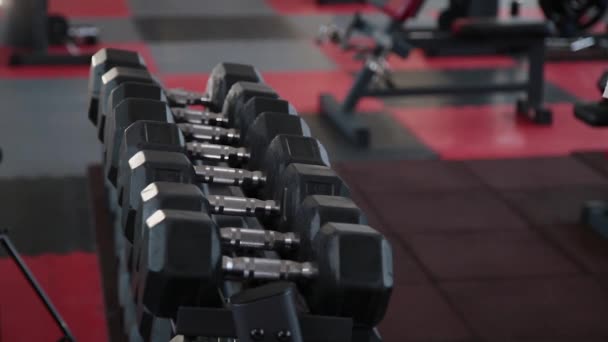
(148,166)
(239,94)
(145,135)
(299,181)
(124,114)
(110,81)
(103,61)
(261,132)
(184,261)
(317,210)
(355,273)
(157,196)
(139,90)
(284,150)
(224,76)
(164,195)
(258,105)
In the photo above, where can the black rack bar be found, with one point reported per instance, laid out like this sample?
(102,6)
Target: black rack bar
(14,254)
(266,310)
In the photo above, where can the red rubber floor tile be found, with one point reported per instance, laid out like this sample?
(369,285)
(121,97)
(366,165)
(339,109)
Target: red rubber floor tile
(534,309)
(294,7)
(581,244)
(72,283)
(489,254)
(410,176)
(494,132)
(535,173)
(419,313)
(578,78)
(552,206)
(473,210)
(80,8)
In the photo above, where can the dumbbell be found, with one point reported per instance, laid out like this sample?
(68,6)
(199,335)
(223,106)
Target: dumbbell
(113,79)
(312,214)
(120,75)
(222,77)
(180,196)
(314,211)
(185,265)
(262,131)
(166,195)
(297,182)
(266,101)
(291,162)
(168,137)
(295,167)
(130,110)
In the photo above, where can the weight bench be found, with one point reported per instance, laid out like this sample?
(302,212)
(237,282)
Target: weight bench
(489,36)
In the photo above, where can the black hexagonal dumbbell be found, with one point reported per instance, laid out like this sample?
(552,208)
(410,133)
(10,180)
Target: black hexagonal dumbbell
(110,75)
(313,214)
(315,211)
(131,110)
(265,128)
(211,128)
(350,273)
(222,77)
(111,96)
(295,167)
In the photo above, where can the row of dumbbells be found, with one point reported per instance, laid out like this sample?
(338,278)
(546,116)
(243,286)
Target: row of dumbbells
(168,164)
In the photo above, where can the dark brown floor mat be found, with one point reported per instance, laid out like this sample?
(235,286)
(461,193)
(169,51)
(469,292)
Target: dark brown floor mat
(490,250)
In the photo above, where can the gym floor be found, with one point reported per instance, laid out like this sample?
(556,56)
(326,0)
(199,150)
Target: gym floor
(481,209)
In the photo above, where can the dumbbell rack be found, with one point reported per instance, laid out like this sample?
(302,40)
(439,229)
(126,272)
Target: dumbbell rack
(248,312)
(198,321)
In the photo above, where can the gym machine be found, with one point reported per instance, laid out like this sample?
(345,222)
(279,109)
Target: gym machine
(486,35)
(573,20)
(229,221)
(5,241)
(30,30)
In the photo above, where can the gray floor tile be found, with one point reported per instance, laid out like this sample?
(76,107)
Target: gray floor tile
(112,30)
(266,55)
(46,132)
(389,140)
(308,25)
(179,28)
(199,7)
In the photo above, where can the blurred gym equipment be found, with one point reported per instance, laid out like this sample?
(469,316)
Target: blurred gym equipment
(31,30)
(484,35)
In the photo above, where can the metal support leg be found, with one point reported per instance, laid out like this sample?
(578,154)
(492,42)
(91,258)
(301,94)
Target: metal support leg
(533,107)
(342,115)
(12,251)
